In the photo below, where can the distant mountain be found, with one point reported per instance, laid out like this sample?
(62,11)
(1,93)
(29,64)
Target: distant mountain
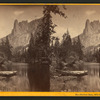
(21,31)
(20,34)
(91,34)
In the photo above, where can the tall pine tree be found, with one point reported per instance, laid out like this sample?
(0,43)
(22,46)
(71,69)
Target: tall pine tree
(32,49)
(6,48)
(48,27)
(66,45)
(42,43)
(77,47)
(56,46)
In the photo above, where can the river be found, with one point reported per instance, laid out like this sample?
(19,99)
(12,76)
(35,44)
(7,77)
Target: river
(30,77)
(93,77)
(26,80)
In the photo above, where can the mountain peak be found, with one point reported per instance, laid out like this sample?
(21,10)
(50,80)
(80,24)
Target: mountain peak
(20,34)
(87,26)
(15,22)
(91,33)
(87,21)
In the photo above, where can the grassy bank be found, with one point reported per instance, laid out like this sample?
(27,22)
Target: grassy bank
(14,83)
(72,84)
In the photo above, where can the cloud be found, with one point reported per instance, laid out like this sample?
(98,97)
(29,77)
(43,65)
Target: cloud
(17,13)
(90,12)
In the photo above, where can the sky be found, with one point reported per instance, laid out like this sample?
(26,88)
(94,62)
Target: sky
(75,21)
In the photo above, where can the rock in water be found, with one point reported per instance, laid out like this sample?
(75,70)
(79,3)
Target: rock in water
(7,73)
(72,73)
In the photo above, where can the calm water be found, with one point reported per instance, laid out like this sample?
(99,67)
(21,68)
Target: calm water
(93,77)
(32,77)
(29,79)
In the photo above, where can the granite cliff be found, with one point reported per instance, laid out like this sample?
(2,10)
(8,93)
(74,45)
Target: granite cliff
(20,34)
(91,34)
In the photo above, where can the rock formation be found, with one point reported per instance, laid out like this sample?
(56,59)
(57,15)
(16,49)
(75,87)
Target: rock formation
(21,31)
(91,34)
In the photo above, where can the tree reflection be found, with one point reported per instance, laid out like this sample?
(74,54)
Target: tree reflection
(38,75)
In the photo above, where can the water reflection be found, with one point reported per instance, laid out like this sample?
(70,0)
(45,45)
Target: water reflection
(39,77)
(93,78)
(93,70)
(36,77)
(20,81)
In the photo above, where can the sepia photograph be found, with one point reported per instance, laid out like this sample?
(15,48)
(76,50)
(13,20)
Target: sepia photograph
(50,48)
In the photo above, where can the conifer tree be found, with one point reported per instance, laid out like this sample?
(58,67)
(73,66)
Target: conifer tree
(77,47)
(66,45)
(32,49)
(48,27)
(42,41)
(56,46)
(6,48)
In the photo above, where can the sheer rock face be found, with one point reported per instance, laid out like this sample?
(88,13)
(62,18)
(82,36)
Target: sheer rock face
(91,34)
(21,31)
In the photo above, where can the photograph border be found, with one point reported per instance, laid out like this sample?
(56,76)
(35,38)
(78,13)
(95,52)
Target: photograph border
(74,94)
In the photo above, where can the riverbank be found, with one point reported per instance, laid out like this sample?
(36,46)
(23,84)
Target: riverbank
(72,84)
(15,83)
(87,83)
